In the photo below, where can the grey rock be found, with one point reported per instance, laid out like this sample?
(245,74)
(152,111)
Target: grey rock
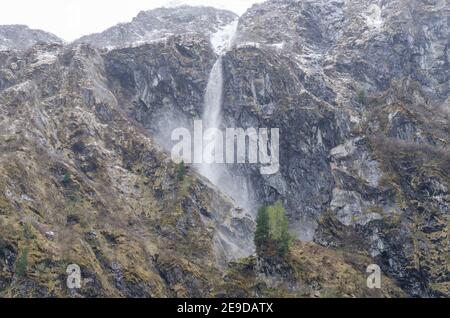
(158,24)
(21,37)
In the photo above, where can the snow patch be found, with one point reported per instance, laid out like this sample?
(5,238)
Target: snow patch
(373,17)
(21,87)
(355,119)
(392,116)
(249,45)
(222,40)
(45,58)
(278,46)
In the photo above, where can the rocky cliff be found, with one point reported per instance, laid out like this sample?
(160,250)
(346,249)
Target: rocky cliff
(83,183)
(21,37)
(158,24)
(359,90)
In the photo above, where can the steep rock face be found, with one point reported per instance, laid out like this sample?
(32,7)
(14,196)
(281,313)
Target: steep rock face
(307,28)
(333,77)
(83,183)
(371,41)
(264,88)
(162,84)
(314,81)
(400,216)
(359,90)
(158,24)
(21,37)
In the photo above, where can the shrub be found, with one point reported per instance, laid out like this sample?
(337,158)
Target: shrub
(22,263)
(67,178)
(362,97)
(28,231)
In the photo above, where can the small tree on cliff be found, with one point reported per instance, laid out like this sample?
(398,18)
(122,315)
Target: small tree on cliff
(272,237)
(362,97)
(262,231)
(181,171)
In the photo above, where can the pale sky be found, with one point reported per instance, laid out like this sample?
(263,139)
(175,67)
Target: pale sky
(70,19)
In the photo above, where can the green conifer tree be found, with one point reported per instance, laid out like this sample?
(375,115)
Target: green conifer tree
(262,231)
(181,171)
(272,237)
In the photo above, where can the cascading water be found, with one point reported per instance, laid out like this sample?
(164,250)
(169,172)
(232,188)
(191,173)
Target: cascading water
(234,244)
(212,118)
(236,188)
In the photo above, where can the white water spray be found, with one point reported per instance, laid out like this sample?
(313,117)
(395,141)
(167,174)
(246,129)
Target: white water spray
(235,187)
(212,117)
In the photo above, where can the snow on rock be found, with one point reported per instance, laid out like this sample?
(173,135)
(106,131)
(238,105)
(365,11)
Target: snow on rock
(21,37)
(248,45)
(161,23)
(373,17)
(279,46)
(45,58)
(21,87)
(222,40)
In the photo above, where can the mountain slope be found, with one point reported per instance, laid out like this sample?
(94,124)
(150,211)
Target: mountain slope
(360,93)
(359,90)
(160,23)
(81,183)
(20,37)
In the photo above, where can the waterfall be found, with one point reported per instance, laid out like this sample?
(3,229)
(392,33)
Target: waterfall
(237,188)
(219,174)
(212,117)
(213,96)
